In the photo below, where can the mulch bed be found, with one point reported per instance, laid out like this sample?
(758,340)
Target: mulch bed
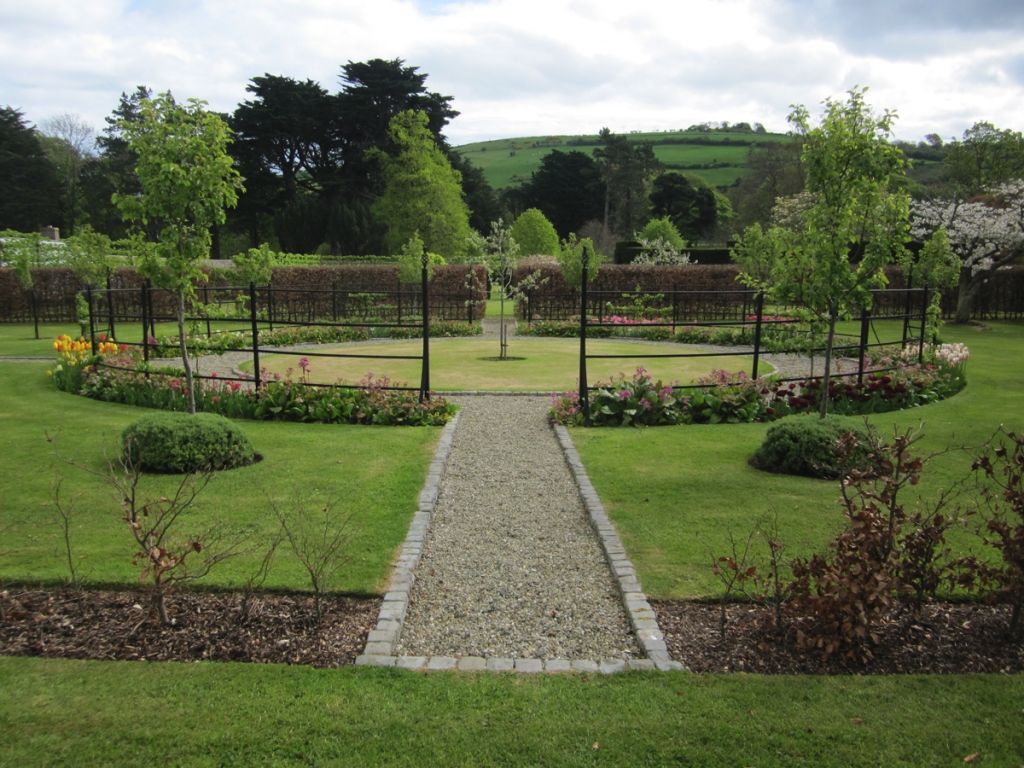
(104,624)
(942,638)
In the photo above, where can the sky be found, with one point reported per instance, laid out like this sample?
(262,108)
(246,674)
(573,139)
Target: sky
(537,67)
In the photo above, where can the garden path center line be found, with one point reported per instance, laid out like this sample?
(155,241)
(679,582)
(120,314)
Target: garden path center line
(511,566)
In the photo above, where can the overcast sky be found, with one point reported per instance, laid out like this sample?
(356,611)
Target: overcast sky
(537,67)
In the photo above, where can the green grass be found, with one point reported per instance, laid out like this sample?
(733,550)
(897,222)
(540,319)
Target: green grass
(375,474)
(508,161)
(676,493)
(535,364)
(69,712)
(126,714)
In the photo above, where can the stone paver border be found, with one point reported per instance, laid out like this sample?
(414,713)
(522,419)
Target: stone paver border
(641,615)
(383,639)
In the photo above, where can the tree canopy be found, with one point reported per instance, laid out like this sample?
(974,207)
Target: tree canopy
(187,180)
(856,203)
(421,191)
(535,234)
(31,188)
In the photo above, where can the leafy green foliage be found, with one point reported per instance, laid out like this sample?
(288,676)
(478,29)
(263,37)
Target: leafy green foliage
(805,446)
(422,193)
(31,186)
(178,443)
(662,228)
(570,260)
(535,235)
(854,204)
(187,179)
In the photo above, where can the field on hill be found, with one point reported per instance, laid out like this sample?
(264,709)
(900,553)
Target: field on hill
(719,157)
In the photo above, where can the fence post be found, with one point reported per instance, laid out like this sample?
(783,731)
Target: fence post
(584,390)
(152,314)
(255,335)
(759,310)
(906,306)
(924,323)
(865,321)
(145,323)
(270,303)
(425,367)
(206,309)
(110,308)
(34,304)
(92,321)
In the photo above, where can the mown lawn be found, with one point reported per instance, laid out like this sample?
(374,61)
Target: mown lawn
(676,493)
(70,712)
(372,473)
(57,712)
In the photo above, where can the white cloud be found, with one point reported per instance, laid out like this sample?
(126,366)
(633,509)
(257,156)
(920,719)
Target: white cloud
(535,66)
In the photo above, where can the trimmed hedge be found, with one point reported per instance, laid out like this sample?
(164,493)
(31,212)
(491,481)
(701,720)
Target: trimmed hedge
(56,287)
(179,442)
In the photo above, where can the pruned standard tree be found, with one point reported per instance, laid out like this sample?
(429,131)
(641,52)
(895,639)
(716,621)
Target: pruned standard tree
(187,180)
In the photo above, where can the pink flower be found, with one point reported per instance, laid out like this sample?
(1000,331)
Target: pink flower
(623,394)
(645,403)
(304,364)
(234,386)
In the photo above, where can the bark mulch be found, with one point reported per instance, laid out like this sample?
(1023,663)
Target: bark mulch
(104,624)
(941,638)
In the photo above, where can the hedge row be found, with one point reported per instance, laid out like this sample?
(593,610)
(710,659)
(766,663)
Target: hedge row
(300,292)
(1002,296)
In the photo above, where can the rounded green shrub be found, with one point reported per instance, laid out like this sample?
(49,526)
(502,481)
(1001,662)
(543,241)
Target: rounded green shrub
(809,446)
(181,442)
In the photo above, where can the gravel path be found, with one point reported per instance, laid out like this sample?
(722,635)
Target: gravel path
(511,567)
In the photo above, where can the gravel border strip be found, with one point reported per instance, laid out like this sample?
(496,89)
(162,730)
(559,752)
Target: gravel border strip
(641,615)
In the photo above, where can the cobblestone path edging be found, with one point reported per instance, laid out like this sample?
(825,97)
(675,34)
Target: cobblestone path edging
(386,646)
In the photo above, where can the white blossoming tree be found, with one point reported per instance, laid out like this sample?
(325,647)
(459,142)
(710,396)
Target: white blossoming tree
(986,233)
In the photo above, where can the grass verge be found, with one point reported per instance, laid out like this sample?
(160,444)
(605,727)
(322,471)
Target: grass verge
(236,714)
(374,473)
(676,493)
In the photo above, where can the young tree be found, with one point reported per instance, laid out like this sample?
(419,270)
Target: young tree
(422,192)
(502,252)
(855,205)
(535,234)
(187,180)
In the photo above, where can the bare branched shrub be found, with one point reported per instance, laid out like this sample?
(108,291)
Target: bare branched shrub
(317,534)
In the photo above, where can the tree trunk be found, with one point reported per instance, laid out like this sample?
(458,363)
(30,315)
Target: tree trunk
(966,290)
(183,347)
(827,376)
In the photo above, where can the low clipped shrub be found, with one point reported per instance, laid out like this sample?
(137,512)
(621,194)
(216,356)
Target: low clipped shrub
(179,442)
(810,446)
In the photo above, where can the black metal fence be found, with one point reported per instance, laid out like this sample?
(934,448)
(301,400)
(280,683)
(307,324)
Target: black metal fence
(738,308)
(250,311)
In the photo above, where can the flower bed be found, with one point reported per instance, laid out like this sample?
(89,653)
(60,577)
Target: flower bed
(116,375)
(735,397)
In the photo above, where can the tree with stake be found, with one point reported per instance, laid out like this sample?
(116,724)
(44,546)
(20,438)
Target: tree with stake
(187,181)
(502,255)
(856,206)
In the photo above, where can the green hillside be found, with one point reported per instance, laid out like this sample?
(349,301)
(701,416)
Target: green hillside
(719,157)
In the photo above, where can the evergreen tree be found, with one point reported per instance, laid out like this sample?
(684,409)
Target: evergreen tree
(421,193)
